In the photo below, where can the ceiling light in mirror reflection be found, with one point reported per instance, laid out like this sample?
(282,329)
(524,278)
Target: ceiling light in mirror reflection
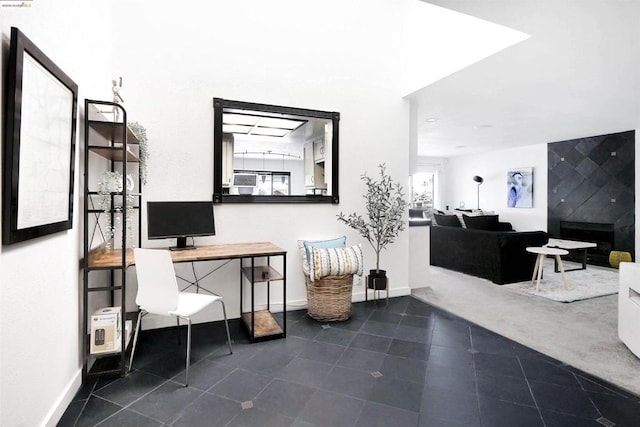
(248,124)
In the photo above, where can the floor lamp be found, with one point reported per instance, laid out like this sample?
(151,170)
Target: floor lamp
(479,180)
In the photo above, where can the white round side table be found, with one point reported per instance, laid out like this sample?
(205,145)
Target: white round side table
(542,252)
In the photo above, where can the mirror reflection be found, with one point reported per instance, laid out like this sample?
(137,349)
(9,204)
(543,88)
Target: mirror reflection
(270,153)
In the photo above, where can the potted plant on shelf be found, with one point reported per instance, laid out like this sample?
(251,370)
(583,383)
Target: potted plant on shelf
(111,183)
(385,205)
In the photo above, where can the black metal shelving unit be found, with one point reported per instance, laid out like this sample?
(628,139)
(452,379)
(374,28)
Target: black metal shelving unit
(109,140)
(261,325)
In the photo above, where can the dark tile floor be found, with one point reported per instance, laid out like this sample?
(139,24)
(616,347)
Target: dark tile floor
(405,364)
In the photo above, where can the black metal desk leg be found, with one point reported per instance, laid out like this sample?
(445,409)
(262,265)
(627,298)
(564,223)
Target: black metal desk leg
(253,312)
(241,262)
(284,295)
(268,285)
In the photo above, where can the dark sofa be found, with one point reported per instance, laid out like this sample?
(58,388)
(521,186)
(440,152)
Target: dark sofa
(499,256)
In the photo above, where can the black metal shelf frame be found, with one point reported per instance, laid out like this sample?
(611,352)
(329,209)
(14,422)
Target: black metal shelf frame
(116,137)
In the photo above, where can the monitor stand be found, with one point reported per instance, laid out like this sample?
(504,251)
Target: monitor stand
(182,245)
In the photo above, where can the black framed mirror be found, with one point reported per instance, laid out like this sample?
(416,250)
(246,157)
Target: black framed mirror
(273,154)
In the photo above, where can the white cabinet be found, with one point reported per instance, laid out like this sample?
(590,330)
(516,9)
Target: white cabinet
(318,150)
(314,173)
(308,165)
(227,159)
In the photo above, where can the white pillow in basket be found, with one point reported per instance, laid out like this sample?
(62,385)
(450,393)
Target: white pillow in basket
(335,262)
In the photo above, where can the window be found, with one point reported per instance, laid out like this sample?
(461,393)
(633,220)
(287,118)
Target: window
(423,190)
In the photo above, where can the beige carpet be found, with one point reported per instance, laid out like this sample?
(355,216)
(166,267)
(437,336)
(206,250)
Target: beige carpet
(582,334)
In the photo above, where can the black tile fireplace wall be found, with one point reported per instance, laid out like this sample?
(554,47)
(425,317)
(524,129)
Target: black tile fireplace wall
(593,180)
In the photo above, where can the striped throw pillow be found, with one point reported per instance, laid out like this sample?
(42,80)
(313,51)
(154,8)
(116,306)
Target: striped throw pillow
(335,262)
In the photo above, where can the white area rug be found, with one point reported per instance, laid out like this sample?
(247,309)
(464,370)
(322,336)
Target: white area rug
(582,284)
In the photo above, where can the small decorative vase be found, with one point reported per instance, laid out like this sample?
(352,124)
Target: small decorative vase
(616,257)
(110,182)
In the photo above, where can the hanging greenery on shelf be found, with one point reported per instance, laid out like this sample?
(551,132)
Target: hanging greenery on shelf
(141,133)
(110,184)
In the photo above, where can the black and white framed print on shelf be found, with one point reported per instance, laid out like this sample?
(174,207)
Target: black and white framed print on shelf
(39,144)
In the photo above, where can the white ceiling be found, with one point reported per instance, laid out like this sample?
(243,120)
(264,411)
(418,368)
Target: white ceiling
(577,75)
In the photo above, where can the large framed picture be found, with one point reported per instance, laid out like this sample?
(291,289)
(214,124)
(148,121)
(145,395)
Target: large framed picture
(520,188)
(39,144)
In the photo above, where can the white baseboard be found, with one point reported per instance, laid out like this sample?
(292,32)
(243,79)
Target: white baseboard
(393,292)
(57,411)
(155,322)
(358,296)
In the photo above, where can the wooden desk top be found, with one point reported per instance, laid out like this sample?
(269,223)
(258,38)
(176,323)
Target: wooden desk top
(227,251)
(113,258)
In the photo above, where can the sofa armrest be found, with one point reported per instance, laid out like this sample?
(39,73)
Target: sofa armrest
(516,264)
(504,226)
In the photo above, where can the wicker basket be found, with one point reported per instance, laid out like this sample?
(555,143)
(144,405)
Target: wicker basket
(329,299)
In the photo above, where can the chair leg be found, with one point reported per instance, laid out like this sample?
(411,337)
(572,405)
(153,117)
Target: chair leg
(178,329)
(135,338)
(226,324)
(186,376)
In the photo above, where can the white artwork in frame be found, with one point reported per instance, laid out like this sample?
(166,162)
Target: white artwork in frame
(39,149)
(45,141)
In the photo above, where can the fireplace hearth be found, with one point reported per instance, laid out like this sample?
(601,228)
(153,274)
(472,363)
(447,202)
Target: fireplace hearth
(601,234)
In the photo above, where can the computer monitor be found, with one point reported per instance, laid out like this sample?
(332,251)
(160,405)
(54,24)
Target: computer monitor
(167,220)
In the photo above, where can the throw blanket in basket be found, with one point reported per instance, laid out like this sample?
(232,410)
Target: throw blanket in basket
(335,262)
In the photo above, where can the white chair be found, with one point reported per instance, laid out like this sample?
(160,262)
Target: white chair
(629,306)
(158,294)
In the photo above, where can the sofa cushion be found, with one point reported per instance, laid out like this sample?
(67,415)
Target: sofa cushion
(468,212)
(448,220)
(484,222)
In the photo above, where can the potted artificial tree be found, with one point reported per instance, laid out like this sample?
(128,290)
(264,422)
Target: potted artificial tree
(385,207)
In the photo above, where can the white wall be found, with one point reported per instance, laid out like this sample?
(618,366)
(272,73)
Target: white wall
(325,55)
(419,256)
(493,166)
(40,293)
(637,194)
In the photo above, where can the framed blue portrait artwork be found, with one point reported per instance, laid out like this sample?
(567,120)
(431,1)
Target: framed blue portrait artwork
(520,188)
